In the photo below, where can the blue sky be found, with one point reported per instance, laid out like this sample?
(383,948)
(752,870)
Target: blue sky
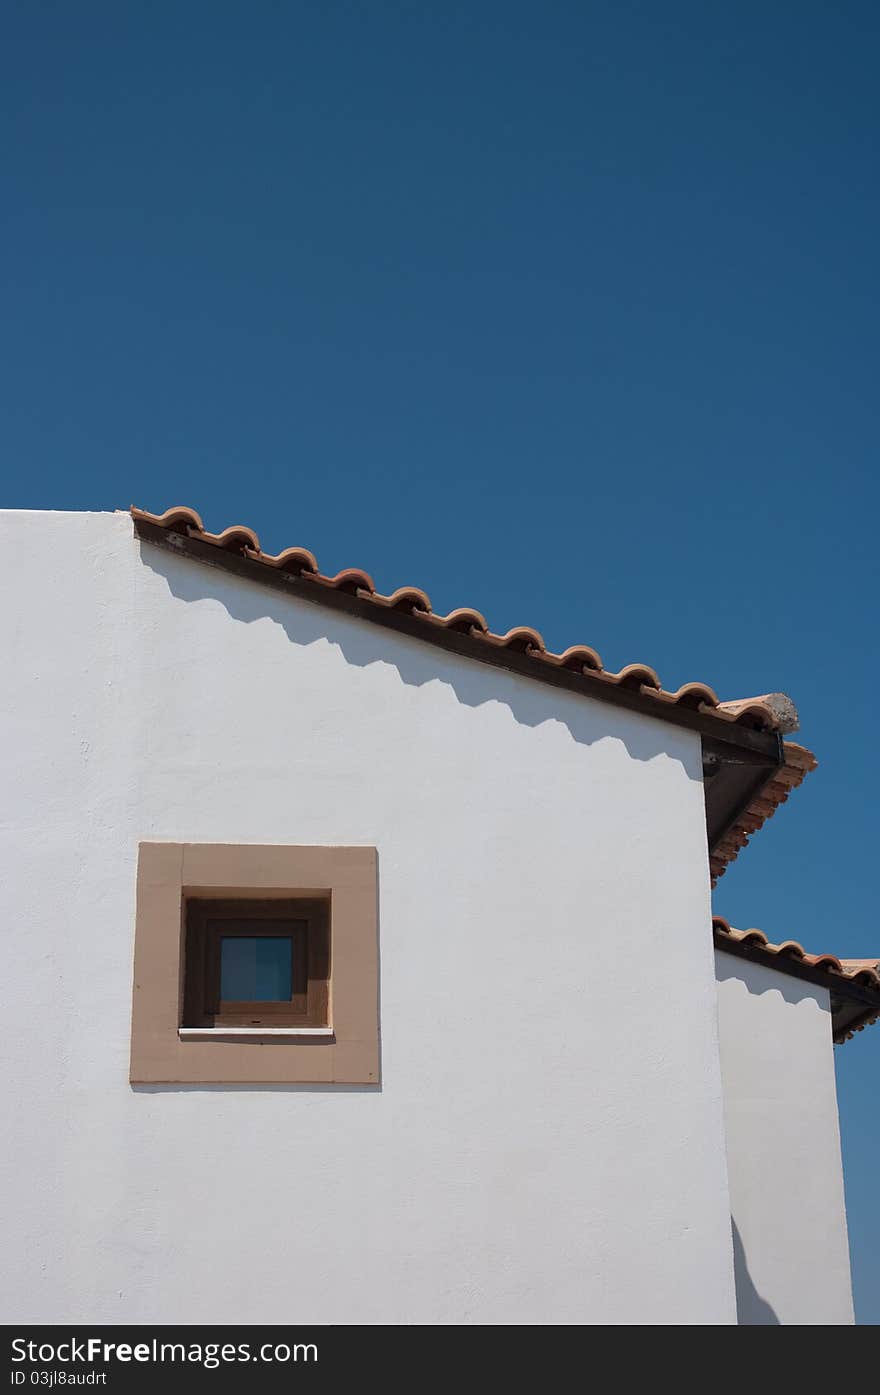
(564,310)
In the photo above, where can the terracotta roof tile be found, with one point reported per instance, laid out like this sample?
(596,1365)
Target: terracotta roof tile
(580,659)
(839,973)
(781,703)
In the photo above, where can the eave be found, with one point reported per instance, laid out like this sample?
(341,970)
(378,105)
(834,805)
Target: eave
(853,985)
(743,751)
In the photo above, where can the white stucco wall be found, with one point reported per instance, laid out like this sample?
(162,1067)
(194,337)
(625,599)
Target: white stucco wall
(783,1147)
(547,1144)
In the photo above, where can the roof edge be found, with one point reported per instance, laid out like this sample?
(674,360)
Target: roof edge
(796,764)
(753,724)
(854,984)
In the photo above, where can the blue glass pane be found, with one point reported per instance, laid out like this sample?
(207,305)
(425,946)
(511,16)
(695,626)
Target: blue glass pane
(256,968)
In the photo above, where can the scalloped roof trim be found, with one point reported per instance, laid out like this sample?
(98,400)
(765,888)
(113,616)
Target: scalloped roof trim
(300,562)
(864,971)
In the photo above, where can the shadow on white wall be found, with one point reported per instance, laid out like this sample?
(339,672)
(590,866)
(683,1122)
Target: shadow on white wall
(761,979)
(751,1309)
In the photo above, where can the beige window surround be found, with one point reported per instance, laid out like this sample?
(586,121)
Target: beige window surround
(165,1051)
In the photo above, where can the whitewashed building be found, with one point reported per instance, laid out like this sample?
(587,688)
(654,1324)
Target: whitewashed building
(317,909)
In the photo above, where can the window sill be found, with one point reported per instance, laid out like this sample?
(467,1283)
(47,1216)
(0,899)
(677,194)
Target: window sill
(255,1033)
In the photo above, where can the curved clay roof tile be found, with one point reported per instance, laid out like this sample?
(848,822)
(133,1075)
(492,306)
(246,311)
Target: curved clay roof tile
(408,598)
(234,539)
(295,560)
(580,658)
(636,676)
(523,639)
(179,519)
(754,937)
(780,706)
(750,714)
(695,696)
(792,948)
(464,620)
(868,976)
(352,580)
(826,961)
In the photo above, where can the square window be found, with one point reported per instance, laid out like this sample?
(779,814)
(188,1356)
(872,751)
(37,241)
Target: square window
(256,963)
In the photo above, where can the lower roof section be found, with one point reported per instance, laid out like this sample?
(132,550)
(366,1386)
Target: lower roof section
(854,984)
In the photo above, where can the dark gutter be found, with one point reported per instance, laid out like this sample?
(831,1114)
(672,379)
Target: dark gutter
(732,781)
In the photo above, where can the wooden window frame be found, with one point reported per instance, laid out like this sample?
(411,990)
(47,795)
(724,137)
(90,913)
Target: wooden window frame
(304,920)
